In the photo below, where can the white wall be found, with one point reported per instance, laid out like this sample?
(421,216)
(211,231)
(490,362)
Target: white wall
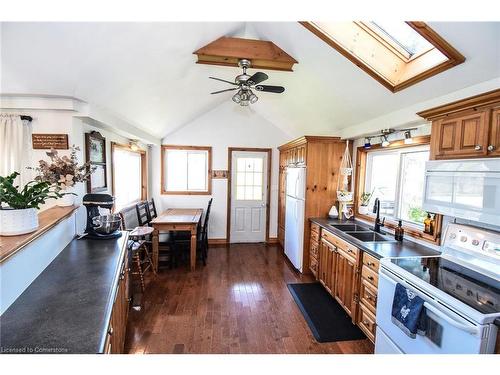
(227,125)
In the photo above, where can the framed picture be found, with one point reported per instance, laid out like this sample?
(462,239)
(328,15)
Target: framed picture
(95,153)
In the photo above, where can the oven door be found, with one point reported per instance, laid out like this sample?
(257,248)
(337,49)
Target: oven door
(447,332)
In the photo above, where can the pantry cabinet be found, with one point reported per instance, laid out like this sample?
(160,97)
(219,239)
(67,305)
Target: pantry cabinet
(321,156)
(468,128)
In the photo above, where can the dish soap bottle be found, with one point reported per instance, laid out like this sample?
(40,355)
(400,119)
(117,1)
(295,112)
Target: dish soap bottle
(432,225)
(399,231)
(427,224)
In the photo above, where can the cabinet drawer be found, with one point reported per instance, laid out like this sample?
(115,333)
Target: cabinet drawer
(371,262)
(314,249)
(366,321)
(370,276)
(351,250)
(328,236)
(314,236)
(368,295)
(313,266)
(315,228)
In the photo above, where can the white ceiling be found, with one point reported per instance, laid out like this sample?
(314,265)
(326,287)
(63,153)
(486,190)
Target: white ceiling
(146,73)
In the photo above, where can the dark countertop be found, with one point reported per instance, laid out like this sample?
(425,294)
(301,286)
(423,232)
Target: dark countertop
(379,250)
(67,308)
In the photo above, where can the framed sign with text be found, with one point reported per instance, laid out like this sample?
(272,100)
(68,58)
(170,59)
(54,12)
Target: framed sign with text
(50,141)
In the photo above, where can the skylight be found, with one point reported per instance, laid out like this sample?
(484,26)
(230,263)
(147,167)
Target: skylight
(404,36)
(398,54)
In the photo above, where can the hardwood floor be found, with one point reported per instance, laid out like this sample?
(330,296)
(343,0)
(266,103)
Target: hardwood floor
(237,303)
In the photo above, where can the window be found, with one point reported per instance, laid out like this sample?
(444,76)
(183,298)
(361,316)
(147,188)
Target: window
(249,178)
(396,177)
(397,54)
(129,175)
(186,170)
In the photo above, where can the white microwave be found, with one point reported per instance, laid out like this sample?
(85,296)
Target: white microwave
(465,188)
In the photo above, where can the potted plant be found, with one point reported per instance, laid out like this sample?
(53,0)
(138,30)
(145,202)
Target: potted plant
(18,207)
(364,201)
(64,172)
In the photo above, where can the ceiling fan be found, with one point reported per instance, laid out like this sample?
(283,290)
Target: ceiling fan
(245,83)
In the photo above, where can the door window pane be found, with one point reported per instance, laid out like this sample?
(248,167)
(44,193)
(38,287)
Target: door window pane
(249,178)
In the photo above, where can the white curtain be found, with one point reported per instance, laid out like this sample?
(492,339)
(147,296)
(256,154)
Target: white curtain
(15,147)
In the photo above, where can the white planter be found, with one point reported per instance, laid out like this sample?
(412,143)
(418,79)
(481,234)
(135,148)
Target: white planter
(66,200)
(364,210)
(15,222)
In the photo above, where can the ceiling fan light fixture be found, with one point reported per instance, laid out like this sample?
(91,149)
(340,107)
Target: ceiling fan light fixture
(237,97)
(253,98)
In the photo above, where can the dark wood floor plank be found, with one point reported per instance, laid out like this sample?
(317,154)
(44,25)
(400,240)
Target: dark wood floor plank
(238,303)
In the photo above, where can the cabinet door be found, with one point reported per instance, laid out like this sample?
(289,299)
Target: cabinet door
(494,141)
(301,155)
(345,282)
(461,136)
(327,265)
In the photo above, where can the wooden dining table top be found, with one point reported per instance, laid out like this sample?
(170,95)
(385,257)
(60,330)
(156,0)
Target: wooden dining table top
(179,216)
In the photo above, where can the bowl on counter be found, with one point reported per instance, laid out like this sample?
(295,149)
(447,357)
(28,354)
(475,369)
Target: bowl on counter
(106,224)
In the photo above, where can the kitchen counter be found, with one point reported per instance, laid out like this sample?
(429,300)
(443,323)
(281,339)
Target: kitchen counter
(67,308)
(379,250)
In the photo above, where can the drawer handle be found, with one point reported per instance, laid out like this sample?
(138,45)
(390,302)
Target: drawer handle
(366,322)
(110,331)
(491,148)
(370,278)
(349,251)
(477,148)
(370,264)
(368,298)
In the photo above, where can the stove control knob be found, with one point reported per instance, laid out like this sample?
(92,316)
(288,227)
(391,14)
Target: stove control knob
(453,236)
(463,238)
(475,242)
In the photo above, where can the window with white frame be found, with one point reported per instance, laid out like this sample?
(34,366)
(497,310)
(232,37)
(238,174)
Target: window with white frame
(396,178)
(128,176)
(186,170)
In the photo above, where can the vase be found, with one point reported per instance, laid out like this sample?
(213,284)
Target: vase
(67,199)
(15,222)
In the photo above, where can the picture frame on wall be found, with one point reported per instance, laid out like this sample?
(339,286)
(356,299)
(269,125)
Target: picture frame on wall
(95,154)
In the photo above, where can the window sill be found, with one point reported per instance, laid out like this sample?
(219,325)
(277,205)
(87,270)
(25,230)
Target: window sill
(186,192)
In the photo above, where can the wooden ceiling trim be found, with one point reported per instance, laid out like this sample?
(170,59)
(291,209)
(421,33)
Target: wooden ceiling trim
(227,51)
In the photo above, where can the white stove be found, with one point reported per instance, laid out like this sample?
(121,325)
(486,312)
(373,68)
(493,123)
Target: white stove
(461,290)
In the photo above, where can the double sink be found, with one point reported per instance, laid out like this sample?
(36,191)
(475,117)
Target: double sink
(362,233)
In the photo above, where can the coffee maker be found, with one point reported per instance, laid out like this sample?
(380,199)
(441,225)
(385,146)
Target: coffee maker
(103,227)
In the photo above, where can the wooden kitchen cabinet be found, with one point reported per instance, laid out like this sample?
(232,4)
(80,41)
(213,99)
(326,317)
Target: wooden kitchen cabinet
(461,135)
(322,157)
(327,266)
(368,289)
(115,338)
(346,281)
(494,137)
(468,128)
(314,250)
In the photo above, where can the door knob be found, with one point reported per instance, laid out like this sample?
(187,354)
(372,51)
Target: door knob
(477,148)
(491,148)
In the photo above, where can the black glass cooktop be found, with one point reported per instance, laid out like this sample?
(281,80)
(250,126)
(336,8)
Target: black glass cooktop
(471,287)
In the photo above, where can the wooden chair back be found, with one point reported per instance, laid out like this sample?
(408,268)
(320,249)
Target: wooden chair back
(141,209)
(152,209)
(129,218)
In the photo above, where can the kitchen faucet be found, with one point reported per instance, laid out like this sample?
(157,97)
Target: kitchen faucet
(378,223)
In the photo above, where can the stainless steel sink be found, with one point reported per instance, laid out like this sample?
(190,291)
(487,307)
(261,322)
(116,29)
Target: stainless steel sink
(350,227)
(369,236)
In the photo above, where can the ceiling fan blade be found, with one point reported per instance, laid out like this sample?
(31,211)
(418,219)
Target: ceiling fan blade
(218,92)
(223,80)
(267,88)
(258,78)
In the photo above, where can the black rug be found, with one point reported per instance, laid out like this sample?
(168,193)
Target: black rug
(327,320)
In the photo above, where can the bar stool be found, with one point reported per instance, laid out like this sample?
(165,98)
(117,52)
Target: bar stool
(138,245)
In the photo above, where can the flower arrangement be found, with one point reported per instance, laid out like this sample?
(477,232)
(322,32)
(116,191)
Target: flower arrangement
(63,171)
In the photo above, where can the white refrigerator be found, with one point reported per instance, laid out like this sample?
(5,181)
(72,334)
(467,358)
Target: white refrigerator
(294,217)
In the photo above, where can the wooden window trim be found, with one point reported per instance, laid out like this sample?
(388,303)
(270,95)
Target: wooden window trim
(229,186)
(454,57)
(144,170)
(361,158)
(209,171)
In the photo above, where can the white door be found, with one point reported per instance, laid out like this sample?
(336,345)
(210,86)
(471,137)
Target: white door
(248,196)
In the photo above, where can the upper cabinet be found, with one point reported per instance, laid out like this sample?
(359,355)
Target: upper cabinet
(467,128)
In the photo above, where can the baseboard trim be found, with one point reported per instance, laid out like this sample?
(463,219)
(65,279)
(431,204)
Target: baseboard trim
(273,241)
(217,241)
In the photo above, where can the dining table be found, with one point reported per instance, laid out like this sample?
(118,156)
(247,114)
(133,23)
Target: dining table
(177,220)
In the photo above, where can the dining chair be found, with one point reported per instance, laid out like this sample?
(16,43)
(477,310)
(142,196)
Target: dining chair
(151,209)
(184,242)
(143,217)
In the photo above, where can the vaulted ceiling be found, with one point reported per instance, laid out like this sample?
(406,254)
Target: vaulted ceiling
(146,73)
